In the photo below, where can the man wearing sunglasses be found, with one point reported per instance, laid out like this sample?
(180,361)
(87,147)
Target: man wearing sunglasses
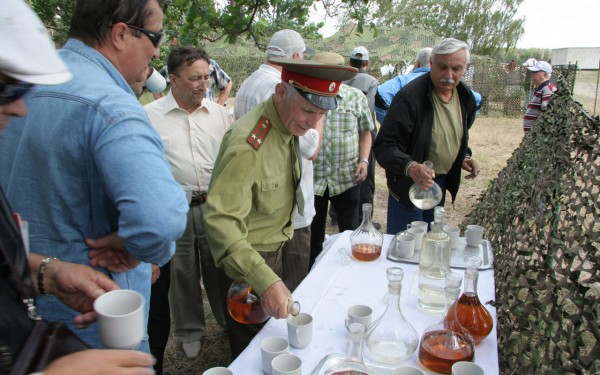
(86,168)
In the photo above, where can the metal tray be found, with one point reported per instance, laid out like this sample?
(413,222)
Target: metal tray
(333,359)
(457,256)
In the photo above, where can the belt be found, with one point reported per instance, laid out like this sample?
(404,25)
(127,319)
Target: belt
(198,199)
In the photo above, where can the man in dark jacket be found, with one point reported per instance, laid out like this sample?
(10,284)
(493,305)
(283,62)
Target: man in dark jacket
(429,119)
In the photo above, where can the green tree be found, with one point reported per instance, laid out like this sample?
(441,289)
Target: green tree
(487,26)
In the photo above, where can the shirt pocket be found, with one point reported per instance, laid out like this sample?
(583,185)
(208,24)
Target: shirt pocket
(272,195)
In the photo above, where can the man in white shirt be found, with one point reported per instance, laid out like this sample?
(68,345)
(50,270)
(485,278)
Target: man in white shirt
(257,88)
(192,129)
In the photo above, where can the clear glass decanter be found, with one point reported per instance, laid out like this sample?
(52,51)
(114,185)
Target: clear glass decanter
(470,312)
(243,304)
(447,342)
(366,240)
(436,234)
(432,281)
(391,338)
(425,199)
(353,364)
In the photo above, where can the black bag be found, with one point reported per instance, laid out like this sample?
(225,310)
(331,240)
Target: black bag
(46,341)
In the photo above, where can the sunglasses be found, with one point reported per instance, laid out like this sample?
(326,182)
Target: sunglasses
(156,37)
(10,92)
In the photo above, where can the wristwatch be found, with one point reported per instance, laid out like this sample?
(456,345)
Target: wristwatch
(364,160)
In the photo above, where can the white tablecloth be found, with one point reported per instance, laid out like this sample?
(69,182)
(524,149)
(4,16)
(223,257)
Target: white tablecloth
(331,287)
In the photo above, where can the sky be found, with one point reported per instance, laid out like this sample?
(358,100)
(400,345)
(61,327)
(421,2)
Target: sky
(548,23)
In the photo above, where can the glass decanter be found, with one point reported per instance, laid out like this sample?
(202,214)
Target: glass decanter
(366,240)
(244,307)
(391,338)
(470,312)
(436,234)
(353,364)
(447,342)
(425,199)
(432,281)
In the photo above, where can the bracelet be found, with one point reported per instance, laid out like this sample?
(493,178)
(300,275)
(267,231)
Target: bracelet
(467,157)
(364,160)
(40,275)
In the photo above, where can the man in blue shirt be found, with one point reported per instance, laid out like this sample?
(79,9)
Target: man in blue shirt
(387,90)
(86,168)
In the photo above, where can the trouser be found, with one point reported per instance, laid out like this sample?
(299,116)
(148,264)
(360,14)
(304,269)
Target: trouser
(296,256)
(346,206)
(399,215)
(192,262)
(240,334)
(367,187)
(159,318)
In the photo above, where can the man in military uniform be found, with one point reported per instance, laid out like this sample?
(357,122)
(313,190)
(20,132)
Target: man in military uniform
(254,185)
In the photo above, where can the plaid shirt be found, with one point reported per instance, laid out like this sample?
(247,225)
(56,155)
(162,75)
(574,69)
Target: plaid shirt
(219,80)
(337,161)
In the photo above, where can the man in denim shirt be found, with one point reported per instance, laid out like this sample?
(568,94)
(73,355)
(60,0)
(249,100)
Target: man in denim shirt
(86,164)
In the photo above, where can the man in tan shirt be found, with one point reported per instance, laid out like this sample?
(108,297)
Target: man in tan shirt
(191,128)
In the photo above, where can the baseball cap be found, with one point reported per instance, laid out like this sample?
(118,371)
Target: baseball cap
(317,82)
(360,53)
(285,43)
(26,51)
(541,66)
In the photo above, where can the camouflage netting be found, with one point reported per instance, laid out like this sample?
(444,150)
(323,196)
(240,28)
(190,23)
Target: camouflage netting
(542,217)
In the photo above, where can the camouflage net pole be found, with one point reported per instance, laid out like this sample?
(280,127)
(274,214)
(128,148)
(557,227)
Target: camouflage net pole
(542,215)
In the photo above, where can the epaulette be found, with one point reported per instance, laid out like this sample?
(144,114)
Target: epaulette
(259,133)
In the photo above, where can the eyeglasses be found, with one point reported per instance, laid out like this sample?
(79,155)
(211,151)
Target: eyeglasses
(10,92)
(156,37)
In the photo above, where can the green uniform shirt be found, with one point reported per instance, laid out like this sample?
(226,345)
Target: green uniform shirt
(251,197)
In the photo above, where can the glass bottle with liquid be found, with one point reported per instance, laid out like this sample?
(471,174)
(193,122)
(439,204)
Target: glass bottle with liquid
(243,304)
(447,342)
(391,338)
(353,364)
(470,312)
(432,281)
(436,234)
(425,199)
(366,240)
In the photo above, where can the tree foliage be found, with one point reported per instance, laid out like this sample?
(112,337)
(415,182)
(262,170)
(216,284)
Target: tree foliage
(487,26)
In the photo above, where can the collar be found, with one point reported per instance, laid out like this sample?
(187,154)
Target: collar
(170,104)
(276,122)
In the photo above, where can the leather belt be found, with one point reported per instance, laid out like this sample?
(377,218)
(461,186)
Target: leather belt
(198,199)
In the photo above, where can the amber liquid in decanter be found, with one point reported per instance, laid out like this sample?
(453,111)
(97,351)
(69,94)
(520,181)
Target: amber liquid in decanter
(435,355)
(366,252)
(473,316)
(244,307)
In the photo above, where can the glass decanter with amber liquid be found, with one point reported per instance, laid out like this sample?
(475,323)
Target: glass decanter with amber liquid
(447,342)
(366,240)
(353,364)
(243,304)
(470,312)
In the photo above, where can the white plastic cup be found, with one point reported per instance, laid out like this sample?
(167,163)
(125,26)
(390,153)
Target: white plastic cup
(454,234)
(466,368)
(405,245)
(287,364)
(270,348)
(218,371)
(418,233)
(300,330)
(121,318)
(474,235)
(359,314)
(156,82)
(418,224)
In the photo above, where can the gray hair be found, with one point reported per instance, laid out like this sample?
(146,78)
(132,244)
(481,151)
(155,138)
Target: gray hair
(423,57)
(448,46)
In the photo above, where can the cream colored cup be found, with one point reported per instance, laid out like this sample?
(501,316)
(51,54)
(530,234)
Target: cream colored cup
(359,314)
(418,224)
(300,330)
(454,234)
(405,245)
(270,348)
(466,368)
(474,235)
(418,233)
(156,82)
(121,318)
(287,364)
(218,371)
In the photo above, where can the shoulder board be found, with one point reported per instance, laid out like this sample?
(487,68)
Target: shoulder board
(259,133)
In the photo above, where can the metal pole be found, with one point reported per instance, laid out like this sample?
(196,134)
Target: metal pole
(597,80)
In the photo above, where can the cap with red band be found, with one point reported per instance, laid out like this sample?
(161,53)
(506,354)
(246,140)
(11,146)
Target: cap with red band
(319,83)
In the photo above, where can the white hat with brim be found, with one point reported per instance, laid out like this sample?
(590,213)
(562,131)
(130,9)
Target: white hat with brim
(26,51)
(541,66)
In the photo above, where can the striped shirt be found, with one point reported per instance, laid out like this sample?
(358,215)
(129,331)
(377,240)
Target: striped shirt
(539,102)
